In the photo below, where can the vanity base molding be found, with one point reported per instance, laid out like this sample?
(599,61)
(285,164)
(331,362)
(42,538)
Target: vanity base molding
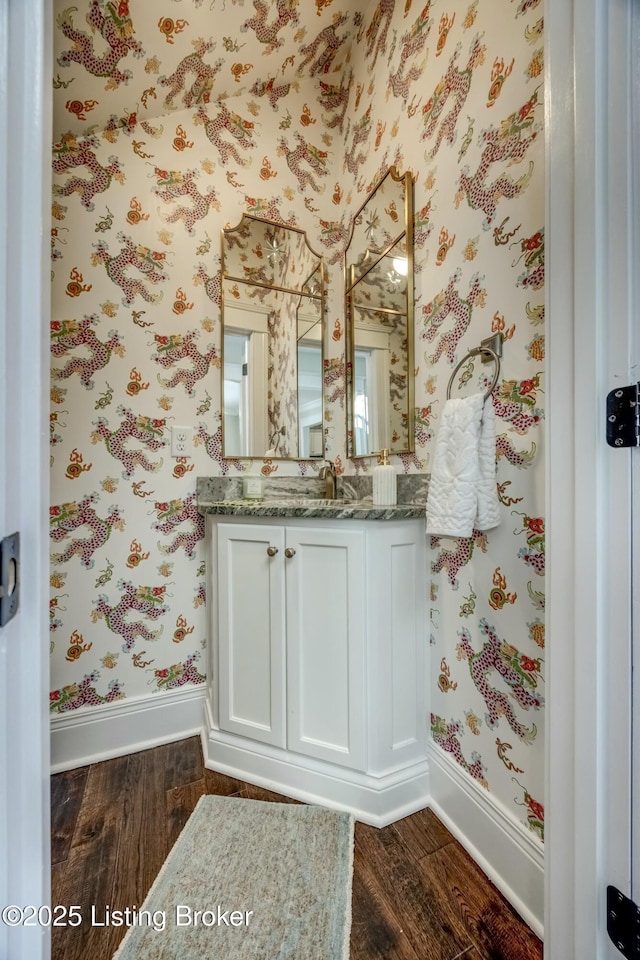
(377,801)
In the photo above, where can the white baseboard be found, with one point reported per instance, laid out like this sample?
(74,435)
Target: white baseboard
(91,734)
(374,800)
(506,851)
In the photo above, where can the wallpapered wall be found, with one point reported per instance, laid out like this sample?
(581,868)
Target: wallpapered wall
(171,121)
(282,389)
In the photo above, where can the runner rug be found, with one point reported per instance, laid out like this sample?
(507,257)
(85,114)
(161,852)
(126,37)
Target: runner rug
(249,880)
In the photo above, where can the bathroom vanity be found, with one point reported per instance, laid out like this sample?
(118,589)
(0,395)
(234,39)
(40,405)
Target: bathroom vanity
(317,641)
(317,678)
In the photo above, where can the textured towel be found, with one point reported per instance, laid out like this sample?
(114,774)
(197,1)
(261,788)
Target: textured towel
(488,515)
(463,492)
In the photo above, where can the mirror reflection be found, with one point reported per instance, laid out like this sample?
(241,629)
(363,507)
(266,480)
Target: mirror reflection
(272,322)
(379,224)
(380,318)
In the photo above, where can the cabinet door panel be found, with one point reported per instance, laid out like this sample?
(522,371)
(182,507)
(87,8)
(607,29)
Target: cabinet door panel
(406,648)
(396,646)
(251,631)
(325,636)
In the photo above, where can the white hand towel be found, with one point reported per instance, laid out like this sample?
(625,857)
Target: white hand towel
(488,515)
(462,491)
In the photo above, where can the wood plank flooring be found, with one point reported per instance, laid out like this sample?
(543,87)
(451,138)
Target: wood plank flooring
(417,895)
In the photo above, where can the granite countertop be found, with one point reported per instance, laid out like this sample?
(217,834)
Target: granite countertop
(338,509)
(304,497)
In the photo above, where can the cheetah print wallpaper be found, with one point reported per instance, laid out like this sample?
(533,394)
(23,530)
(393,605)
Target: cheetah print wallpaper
(171,120)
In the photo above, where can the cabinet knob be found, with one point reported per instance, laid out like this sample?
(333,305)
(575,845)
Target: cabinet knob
(289,552)
(271,551)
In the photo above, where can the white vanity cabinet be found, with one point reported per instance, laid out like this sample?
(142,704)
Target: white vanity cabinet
(318,657)
(291,637)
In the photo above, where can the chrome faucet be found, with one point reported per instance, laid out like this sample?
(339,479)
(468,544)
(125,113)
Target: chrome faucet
(328,474)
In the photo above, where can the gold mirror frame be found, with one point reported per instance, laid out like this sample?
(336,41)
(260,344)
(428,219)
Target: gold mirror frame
(378,233)
(268,269)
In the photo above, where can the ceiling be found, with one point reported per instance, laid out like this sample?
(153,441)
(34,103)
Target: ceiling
(143,51)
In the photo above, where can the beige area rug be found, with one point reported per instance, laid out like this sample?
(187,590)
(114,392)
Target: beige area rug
(248,880)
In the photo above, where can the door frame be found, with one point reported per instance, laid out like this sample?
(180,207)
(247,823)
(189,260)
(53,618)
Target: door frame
(589,305)
(584,519)
(25,204)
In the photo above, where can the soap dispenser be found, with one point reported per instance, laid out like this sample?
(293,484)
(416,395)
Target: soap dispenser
(253,483)
(385,492)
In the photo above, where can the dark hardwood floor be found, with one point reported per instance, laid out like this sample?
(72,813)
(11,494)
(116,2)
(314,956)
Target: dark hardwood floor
(417,895)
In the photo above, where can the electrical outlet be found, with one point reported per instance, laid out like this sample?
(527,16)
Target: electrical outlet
(181,441)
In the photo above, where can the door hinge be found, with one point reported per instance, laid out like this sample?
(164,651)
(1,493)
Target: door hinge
(9,577)
(623,416)
(623,923)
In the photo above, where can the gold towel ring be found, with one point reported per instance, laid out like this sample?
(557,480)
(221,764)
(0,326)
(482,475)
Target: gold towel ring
(474,353)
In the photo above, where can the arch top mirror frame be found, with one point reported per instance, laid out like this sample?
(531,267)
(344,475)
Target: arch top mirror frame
(379,306)
(270,254)
(383,219)
(272,312)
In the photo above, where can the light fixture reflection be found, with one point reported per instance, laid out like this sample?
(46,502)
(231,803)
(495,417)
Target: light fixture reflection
(275,253)
(400,266)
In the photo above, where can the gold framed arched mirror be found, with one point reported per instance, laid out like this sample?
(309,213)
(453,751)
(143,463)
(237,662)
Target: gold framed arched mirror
(379,310)
(272,342)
